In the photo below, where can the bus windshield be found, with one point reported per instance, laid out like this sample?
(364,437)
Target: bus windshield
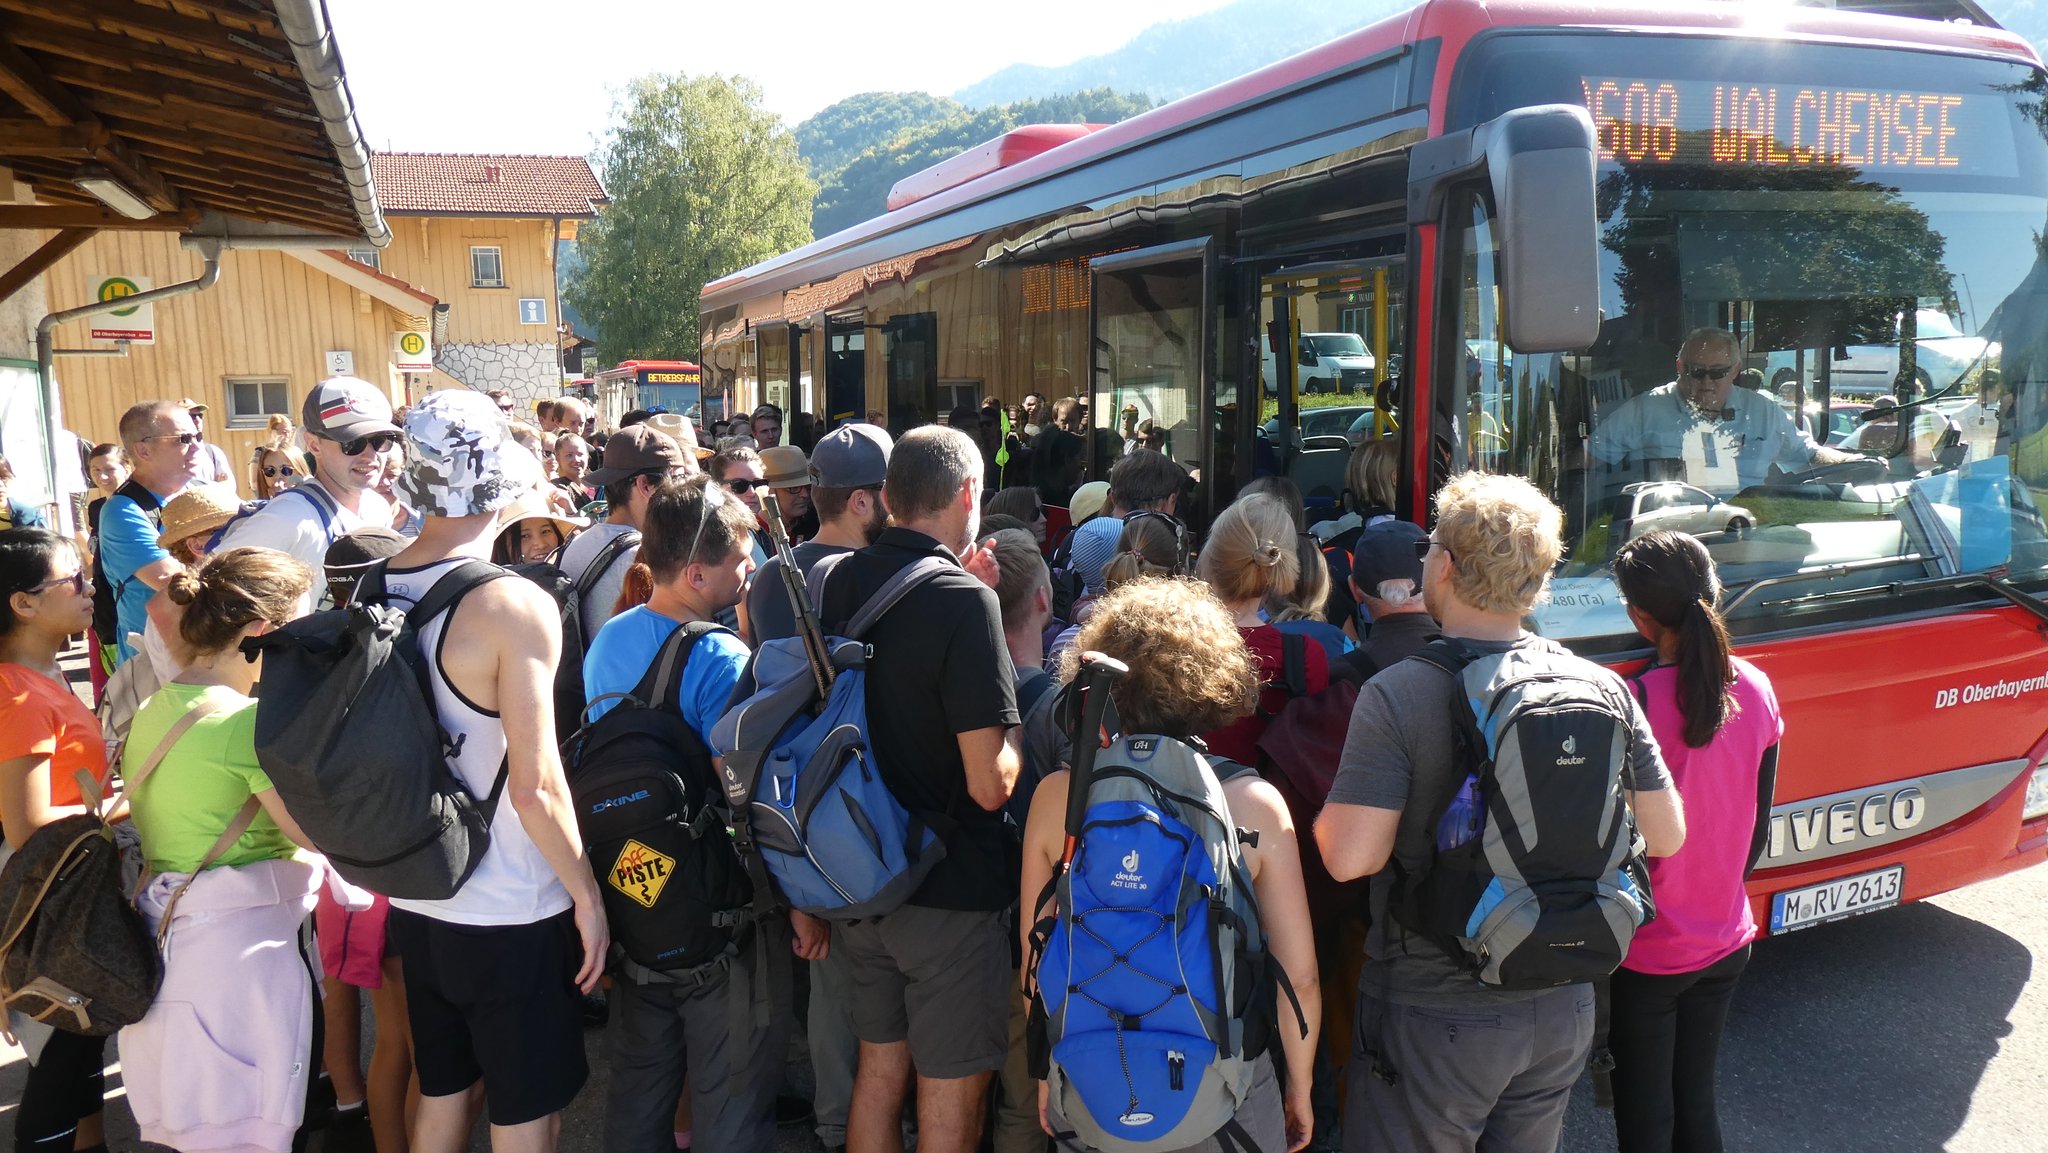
(1824,337)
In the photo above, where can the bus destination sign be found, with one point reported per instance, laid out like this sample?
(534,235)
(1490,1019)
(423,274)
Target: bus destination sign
(1778,125)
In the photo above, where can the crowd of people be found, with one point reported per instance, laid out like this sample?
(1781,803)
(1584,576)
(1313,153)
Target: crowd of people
(630,534)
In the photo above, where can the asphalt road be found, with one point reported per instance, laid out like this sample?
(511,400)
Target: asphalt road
(1903,1031)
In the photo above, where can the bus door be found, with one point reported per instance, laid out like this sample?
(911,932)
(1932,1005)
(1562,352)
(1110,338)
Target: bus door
(846,369)
(1328,370)
(1153,364)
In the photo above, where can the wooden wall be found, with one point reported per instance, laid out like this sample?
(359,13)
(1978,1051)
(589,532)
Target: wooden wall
(270,315)
(432,253)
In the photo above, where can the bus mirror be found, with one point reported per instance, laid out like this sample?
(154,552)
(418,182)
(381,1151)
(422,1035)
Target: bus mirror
(1540,164)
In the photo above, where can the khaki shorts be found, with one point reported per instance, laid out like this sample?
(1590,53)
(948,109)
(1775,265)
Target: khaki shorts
(937,978)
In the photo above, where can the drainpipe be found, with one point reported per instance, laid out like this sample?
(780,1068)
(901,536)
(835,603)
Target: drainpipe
(304,23)
(46,356)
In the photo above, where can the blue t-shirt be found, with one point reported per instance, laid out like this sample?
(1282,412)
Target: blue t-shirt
(626,646)
(127,543)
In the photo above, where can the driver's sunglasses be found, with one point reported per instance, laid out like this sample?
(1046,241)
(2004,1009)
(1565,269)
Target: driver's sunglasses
(275,470)
(377,440)
(1710,373)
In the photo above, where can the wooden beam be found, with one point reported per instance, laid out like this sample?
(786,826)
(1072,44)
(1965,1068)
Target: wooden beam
(53,216)
(81,58)
(23,79)
(174,30)
(36,263)
(39,138)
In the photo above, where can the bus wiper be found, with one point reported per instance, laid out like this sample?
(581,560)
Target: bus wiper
(1991,581)
(1820,573)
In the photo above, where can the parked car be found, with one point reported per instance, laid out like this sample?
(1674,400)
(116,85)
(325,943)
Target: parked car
(1324,362)
(1680,507)
(1334,421)
(1942,353)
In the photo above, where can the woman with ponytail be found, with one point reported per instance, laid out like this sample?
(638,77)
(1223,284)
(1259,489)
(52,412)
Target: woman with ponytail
(224,1056)
(1716,721)
(1251,559)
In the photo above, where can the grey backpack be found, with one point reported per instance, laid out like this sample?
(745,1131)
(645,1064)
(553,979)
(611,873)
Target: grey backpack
(347,731)
(1539,877)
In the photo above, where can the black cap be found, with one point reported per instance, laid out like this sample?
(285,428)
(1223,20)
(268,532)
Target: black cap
(1386,552)
(349,557)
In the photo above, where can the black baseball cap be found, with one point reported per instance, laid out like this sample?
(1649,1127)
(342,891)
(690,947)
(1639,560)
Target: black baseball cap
(1385,552)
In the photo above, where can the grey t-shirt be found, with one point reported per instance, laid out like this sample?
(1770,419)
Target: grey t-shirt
(1399,755)
(583,552)
(768,611)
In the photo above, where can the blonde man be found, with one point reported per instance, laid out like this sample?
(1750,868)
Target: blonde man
(1502,1078)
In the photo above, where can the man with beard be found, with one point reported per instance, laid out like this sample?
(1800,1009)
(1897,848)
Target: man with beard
(846,474)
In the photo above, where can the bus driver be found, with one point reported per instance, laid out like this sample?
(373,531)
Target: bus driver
(1703,430)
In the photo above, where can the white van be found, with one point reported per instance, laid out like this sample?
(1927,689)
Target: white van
(1324,362)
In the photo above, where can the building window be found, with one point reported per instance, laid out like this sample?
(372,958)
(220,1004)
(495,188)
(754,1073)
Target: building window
(367,257)
(252,399)
(486,266)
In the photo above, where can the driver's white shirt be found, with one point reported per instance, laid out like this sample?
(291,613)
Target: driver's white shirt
(1721,456)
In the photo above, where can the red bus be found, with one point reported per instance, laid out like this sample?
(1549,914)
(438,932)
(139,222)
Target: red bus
(1500,220)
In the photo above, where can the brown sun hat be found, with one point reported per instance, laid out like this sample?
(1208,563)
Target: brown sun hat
(199,509)
(533,505)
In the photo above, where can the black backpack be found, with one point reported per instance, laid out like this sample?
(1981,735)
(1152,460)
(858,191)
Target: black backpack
(651,812)
(568,594)
(106,594)
(347,732)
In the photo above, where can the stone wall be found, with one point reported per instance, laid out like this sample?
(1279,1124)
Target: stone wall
(529,372)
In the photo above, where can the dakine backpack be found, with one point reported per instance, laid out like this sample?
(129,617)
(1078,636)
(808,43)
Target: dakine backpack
(1153,983)
(652,815)
(347,732)
(806,793)
(1537,878)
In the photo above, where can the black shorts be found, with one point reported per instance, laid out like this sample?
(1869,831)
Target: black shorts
(496,1002)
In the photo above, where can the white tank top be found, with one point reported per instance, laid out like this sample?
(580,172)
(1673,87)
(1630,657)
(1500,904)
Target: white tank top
(513,884)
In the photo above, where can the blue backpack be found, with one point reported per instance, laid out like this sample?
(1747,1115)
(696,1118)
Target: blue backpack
(808,800)
(1154,988)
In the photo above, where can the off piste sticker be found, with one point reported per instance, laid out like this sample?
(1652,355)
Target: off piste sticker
(640,872)
(1989,691)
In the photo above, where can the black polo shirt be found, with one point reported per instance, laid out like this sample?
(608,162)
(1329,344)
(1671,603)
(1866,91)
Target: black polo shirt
(940,668)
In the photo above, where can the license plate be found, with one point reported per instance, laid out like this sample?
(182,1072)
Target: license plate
(1842,897)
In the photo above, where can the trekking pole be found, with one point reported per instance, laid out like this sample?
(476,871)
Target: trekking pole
(1097,673)
(799,598)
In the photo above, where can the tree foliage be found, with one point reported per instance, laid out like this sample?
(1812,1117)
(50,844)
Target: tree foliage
(703,181)
(835,136)
(861,189)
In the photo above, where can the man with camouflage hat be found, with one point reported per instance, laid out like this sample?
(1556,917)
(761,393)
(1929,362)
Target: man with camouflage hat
(492,973)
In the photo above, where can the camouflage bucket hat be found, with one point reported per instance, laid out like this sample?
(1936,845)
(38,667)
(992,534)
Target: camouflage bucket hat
(460,458)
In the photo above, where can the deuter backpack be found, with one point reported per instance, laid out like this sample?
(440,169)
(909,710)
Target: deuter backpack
(1153,986)
(652,816)
(1538,877)
(347,731)
(807,797)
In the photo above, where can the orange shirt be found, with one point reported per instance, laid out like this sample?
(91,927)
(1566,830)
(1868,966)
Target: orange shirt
(39,717)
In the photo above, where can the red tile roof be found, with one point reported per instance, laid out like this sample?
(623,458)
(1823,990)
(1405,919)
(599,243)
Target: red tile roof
(465,184)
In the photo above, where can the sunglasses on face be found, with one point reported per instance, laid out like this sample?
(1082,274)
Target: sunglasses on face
(1423,546)
(740,485)
(276,470)
(79,582)
(377,440)
(1714,372)
(184,439)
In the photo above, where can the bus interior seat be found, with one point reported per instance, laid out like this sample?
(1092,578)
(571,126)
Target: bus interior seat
(1318,470)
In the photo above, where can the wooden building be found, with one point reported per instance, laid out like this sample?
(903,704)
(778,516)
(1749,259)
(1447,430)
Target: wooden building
(467,280)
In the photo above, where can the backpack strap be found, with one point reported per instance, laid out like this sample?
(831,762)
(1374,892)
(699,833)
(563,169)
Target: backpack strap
(814,580)
(602,563)
(894,590)
(664,678)
(323,502)
(1034,689)
(1294,663)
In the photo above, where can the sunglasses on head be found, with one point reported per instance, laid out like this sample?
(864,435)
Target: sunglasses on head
(275,470)
(1710,373)
(377,440)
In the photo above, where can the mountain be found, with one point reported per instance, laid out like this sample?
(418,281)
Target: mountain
(885,148)
(1171,60)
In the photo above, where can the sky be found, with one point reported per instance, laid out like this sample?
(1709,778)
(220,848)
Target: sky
(524,76)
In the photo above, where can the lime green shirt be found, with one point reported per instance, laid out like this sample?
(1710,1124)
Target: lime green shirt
(188,801)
